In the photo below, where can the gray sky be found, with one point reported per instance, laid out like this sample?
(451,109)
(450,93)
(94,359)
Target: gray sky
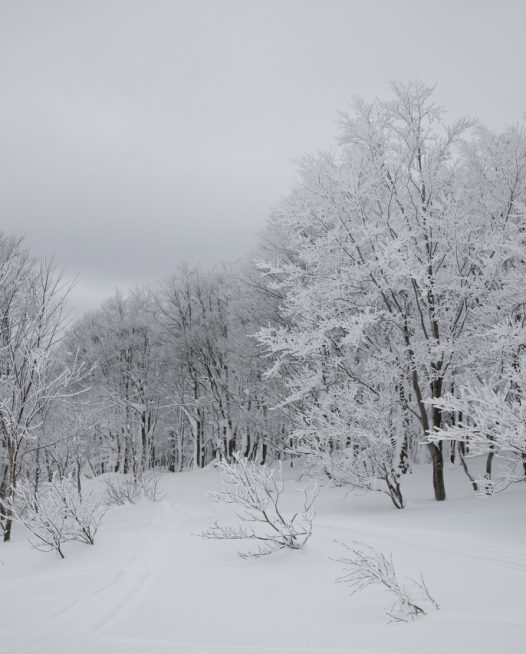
(135,134)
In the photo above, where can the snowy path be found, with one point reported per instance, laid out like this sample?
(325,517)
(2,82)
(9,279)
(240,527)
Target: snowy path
(150,586)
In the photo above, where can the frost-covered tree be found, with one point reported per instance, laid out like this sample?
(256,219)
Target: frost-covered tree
(490,406)
(123,339)
(355,437)
(394,256)
(33,378)
(219,398)
(177,378)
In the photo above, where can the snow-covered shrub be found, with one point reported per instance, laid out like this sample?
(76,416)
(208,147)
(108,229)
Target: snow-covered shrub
(120,490)
(258,490)
(364,566)
(126,489)
(83,513)
(365,469)
(355,439)
(510,470)
(57,513)
(42,515)
(148,483)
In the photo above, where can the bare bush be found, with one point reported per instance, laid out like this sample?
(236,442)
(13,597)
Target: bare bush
(42,516)
(365,470)
(258,490)
(57,513)
(83,513)
(148,483)
(120,490)
(126,489)
(366,567)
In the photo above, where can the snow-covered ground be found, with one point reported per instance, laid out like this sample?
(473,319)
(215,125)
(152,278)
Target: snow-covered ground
(149,585)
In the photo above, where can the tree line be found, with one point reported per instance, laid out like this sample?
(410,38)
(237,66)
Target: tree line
(381,321)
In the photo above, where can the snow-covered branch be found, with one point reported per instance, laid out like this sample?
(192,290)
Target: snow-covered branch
(364,566)
(258,491)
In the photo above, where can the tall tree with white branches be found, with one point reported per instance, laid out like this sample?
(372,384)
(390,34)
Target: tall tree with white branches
(396,243)
(32,375)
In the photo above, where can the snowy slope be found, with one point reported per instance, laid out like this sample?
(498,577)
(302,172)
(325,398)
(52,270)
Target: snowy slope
(150,586)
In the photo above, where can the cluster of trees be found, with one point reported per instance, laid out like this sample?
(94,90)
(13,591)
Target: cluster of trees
(382,320)
(177,378)
(35,381)
(162,378)
(402,276)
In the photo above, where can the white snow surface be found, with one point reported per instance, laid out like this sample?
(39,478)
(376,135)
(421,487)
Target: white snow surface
(150,585)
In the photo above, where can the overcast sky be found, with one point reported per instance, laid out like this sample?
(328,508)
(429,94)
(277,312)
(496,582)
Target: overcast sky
(136,134)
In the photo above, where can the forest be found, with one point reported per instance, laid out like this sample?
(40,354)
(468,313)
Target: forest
(380,322)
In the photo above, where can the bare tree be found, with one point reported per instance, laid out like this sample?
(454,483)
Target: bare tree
(258,491)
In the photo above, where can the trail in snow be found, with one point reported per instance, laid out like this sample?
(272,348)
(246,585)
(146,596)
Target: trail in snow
(151,586)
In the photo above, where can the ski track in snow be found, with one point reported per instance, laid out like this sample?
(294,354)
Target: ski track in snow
(105,604)
(83,618)
(82,621)
(91,623)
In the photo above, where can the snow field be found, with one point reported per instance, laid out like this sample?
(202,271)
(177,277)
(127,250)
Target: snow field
(150,585)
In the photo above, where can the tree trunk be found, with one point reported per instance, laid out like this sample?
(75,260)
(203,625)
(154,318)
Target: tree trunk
(10,490)
(263,454)
(436,453)
(489,461)
(461,453)
(79,481)
(438,472)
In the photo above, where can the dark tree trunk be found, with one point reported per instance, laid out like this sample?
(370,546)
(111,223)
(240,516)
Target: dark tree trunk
(395,491)
(263,454)
(404,455)
(79,482)
(117,466)
(10,490)
(452,452)
(461,454)
(489,466)
(247,448)
(438,472)
(171,451)
(436,454)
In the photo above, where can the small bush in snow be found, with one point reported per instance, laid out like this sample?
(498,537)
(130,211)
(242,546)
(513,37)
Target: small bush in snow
(42,516)
(120,490)
(84,513)
(257,490)
(364,470)
(365,567)
(56,514)
(126,489)
(149,485)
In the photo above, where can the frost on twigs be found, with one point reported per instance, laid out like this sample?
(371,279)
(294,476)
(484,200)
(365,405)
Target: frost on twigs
(510,471)
(126,489)
(257,490)
(364,566)
(57,513)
